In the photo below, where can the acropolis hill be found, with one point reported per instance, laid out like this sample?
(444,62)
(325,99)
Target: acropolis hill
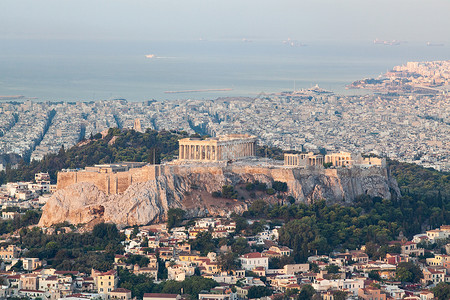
(135,193)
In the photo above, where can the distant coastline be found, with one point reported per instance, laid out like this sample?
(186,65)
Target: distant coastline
(11,97)
(111,72)
(198,91)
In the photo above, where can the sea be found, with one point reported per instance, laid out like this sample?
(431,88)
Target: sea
(91,70)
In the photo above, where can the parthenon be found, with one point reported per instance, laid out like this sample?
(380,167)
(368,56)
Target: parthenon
(227,147)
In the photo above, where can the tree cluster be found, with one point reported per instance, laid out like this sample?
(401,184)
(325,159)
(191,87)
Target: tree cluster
(140,284)
(151,146)
(75,251)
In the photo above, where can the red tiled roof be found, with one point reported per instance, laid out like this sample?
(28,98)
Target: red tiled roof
(408,243)
(110,272)
(120,290)
(67,272)
(252,255)
(158,295)
(432,271)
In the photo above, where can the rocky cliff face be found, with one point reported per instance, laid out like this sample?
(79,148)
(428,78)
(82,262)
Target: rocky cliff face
(190,188)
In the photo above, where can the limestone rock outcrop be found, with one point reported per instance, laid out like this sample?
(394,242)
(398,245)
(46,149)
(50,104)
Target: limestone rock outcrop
(190,188)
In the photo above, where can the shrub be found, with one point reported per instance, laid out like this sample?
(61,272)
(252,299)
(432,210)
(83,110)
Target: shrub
(229,192)
(270,191)
(249,186)
(260,186)
(280,186)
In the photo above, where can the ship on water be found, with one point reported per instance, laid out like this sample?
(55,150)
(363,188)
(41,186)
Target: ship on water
(430,44)
(388,43)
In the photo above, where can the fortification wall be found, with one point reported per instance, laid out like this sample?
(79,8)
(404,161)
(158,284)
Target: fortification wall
(117,183)
(110,183)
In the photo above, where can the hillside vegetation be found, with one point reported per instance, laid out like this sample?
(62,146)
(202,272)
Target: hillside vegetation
(128,145)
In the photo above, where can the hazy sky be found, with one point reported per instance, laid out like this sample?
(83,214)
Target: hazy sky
(303,20)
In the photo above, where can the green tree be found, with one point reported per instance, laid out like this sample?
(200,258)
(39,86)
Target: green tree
(339,295)
(441,291)
(280,186)
(203,243)
(270,191)
(229,192)
(174,217)
(332,269)
(306,293)
(374,275)
(408,272)
(228,262)
(279,263)
(258,292)
(240,246)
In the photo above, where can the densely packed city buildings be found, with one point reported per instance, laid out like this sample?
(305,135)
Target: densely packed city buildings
(429,77)
(350,272)
(413,128)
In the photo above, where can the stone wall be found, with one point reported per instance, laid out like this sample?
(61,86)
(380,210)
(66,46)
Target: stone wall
(110,183)
(341,184)
(144,195)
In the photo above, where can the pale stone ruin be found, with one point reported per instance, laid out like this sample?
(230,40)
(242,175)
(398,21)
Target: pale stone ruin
(214,152)
(341,159)
(303,159)
(227,147)
(137,125)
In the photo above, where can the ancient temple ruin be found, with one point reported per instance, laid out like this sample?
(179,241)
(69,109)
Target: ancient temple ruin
(341,159)
(227,147)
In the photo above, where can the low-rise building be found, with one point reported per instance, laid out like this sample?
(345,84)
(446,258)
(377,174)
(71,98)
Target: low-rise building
(159,296)
(107,281)
(9,253)
(370,293)
(120,294)
(432,275)
(254,259)
(410,248)
(295,268)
